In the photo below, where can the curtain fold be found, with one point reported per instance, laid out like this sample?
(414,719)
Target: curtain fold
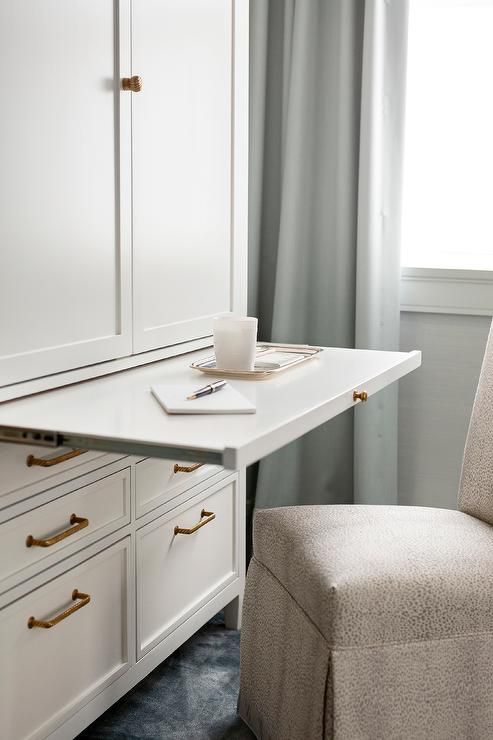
(323,245)
(378,244)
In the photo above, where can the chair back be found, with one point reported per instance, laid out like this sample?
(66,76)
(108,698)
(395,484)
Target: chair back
(476,484)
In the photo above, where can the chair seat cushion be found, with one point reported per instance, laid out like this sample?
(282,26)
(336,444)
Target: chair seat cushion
(371,575)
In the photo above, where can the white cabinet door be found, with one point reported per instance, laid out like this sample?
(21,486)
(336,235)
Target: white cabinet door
(64,185)
(186,160)
(48,674)
(184,558)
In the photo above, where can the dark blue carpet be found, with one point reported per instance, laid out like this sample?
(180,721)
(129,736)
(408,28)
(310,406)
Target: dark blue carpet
(191,695)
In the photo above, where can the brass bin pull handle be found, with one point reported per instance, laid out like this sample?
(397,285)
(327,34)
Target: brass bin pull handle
(79,523)
(205,518)
(360,396)
(187,468)
(82,600)
(49,462)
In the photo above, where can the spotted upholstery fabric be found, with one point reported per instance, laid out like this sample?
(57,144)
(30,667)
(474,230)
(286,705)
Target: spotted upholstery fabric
(370,575)
(284,663)
(368,622)
(476,485)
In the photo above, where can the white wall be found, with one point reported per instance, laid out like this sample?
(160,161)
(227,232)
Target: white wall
(435,404)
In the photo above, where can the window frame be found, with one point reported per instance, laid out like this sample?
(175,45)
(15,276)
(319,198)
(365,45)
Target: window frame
(447,291)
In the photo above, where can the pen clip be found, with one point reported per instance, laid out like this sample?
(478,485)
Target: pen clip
(207,390)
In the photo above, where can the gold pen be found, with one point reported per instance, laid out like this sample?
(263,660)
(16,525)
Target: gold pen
(207,389)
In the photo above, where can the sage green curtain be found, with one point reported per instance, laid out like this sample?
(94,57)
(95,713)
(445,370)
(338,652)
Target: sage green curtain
(325,156)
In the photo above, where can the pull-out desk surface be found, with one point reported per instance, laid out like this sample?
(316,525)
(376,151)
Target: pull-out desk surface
(117,413)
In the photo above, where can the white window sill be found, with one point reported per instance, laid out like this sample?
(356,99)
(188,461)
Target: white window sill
(432,290)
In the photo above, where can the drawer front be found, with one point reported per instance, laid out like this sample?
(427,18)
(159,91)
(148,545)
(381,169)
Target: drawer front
(19,468)
(177,573)
(158,481)
(47,533)
(48,673)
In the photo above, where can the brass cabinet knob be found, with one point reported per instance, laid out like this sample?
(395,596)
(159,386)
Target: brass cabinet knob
(360,396)
(134,84)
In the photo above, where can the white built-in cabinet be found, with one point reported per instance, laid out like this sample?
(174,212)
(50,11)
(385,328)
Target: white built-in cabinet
(122,234)
(122,213)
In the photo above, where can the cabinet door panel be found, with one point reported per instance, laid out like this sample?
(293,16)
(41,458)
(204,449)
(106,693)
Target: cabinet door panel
(48,674)
(178,573)
(64,236)
(182,166)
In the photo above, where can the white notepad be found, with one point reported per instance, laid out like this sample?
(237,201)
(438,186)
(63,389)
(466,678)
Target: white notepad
(173,398)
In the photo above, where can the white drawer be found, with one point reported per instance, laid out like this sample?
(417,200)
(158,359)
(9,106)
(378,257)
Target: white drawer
(158,481)
(47,674)
(100,508)
(17,474)
(178,573)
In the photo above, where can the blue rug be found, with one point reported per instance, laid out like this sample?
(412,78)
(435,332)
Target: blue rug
(191,696)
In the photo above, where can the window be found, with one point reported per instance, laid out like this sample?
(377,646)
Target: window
(447,219)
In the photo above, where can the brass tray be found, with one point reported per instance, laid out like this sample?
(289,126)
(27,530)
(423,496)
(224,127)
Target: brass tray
(207,365)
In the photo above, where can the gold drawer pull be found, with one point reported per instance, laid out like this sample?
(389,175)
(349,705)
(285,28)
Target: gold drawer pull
(187,468)
(83,600)
(48,463)
(205,518)
(80,523)
(360,396)
(133,84)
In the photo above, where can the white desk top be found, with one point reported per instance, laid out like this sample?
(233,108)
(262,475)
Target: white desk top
(117,413)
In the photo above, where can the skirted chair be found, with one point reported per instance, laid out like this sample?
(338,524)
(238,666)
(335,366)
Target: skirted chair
(376,622)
